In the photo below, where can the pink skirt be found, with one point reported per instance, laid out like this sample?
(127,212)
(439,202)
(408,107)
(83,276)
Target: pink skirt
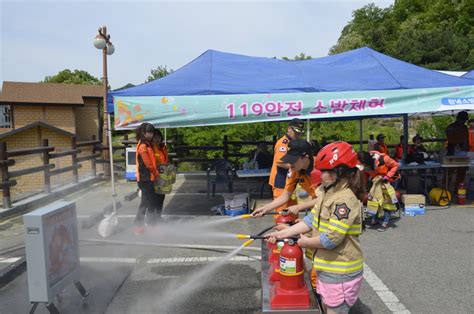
(335,294)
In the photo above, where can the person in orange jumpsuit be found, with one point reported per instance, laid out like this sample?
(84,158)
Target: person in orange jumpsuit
(300,157)
(147,173)
(380,145)
(471,135)
(398,152)
(279,170)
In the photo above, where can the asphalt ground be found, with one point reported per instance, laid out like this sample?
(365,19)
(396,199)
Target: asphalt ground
(422,264)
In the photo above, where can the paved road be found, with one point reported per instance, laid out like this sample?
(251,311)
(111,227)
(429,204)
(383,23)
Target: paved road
(421,265)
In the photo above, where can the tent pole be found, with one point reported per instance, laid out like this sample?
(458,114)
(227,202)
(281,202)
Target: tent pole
(165,136)
(361,134)
(405,136)
(308,131)
(111,160)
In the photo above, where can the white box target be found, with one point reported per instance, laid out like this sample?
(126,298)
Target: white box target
(52,250)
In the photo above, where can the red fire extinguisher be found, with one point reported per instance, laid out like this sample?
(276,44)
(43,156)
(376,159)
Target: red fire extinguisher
(291,290)
(461,194)
(285,217)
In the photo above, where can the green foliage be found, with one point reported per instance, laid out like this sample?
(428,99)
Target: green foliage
(159,72)
(437,34)
(68,77)
(299,57)
(433,128)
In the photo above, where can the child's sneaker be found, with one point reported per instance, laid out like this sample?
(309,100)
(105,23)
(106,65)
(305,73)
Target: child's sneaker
(137,230)
(382,228)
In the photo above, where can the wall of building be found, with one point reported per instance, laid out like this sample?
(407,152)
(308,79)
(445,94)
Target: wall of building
(87,120)
(62,117)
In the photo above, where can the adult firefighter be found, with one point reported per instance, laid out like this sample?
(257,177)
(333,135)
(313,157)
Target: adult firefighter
(279,170)
(336,223)
(300,157)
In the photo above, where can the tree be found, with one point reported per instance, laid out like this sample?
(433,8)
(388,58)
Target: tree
(301,56)
(159,72)
(437,34)
(68,77)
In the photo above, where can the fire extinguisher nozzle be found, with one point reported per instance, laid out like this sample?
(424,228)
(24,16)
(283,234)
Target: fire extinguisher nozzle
(246,216)
(242,236)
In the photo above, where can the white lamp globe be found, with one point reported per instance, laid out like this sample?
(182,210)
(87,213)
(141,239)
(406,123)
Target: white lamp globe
(99,42)
(110,49)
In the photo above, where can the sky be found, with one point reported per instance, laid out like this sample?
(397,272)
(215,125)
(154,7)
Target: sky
(40,38)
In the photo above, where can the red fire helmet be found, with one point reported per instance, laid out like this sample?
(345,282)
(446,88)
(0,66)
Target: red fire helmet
(336,154)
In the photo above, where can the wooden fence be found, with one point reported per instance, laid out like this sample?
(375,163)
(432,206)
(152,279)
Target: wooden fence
(7,160)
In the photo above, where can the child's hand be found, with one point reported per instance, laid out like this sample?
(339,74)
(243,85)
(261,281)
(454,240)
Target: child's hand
(280,227)
(274,236)
(293,210)
(259,212)
(303,241)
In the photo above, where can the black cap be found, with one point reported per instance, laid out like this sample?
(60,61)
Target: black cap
(296,149)
(462,116)
(380,136)
(297,125)
(417,137)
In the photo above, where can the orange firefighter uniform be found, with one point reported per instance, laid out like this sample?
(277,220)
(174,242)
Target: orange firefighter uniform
(278,175)
(146,163)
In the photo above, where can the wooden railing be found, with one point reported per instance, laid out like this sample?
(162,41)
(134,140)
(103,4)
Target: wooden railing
(47,152)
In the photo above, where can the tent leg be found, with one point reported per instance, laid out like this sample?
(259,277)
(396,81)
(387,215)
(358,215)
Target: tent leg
(308,130)
(405,136)
(361,135)
(165,136)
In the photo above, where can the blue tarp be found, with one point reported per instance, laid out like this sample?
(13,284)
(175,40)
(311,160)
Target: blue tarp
(469,75)
(220,73)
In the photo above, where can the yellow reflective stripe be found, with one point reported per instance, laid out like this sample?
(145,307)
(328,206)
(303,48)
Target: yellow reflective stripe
(338,263)
(390,207)
(338,229)
(340,223)
(341,228)
(354,232)
(323,229)
(338,270)
(315,224)
(292,275)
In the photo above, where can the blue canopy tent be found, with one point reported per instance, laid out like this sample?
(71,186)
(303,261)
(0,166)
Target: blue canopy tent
(469,75)
(220,73)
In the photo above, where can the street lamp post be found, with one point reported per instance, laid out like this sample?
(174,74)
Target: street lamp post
(102,41)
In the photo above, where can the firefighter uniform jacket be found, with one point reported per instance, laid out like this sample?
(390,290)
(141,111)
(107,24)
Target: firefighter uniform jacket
(303,179)
(382,197)
(385,166)
(338,213)
(278,175)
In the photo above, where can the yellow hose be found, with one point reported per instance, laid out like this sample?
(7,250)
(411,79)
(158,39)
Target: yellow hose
(247,243)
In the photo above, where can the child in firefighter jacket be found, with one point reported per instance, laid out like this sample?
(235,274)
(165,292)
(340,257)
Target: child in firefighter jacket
(336,223)
(382,199)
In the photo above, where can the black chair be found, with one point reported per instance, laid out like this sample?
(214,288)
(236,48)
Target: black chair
(221,171)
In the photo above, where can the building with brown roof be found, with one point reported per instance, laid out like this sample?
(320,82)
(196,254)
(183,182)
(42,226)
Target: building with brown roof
(32,112)
(70,107)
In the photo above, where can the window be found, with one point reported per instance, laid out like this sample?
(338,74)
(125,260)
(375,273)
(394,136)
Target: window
(5,117)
